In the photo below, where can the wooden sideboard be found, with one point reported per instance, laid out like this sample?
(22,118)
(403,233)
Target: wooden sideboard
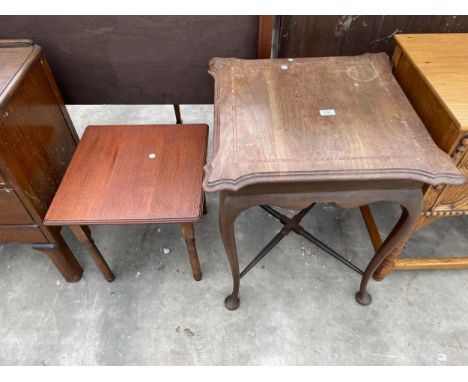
(37,140)
(432,69)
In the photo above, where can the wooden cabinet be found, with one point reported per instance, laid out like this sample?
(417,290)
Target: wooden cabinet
(432,69)
(37,140)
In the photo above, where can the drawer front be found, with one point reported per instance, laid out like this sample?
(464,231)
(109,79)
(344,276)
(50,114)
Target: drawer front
(21,234)
(12,210)
(455,197)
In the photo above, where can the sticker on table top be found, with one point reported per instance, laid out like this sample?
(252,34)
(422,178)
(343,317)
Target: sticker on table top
(327,112)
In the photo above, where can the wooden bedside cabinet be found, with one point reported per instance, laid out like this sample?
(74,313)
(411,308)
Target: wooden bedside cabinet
(432,69)
(37,140)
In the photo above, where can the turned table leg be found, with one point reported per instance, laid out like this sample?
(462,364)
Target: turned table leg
(62,257)
(83,235)
(188,233)
(411,202)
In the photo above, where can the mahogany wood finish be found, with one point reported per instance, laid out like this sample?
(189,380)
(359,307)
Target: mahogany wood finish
(134,174)
(290,132)
(83,235)
(188,234)
(432,69)
(37,140)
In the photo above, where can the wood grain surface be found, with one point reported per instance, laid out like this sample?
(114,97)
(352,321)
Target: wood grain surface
(113,179)
(269,125)
(431,263)
(442,61)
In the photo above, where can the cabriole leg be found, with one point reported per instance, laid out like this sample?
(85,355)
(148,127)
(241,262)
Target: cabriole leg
(229,208)
(411,201)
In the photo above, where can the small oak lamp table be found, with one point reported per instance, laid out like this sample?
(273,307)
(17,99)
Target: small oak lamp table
(133,174)
(293,132)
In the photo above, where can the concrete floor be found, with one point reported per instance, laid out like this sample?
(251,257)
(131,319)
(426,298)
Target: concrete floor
(297,306)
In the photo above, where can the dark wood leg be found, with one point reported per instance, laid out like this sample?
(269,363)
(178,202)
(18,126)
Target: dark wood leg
(411,201)
(177,114)
(83,235)
(229,208)
(205,211)
(62,257)
(188,233)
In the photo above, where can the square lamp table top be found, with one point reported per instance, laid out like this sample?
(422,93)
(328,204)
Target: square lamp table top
(133,174)
(317,119)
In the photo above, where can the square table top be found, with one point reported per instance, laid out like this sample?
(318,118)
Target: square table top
(442,60)
(317,119)
(133,174)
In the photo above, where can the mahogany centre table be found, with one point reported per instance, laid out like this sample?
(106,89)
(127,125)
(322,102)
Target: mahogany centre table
(293,132)
(134,174)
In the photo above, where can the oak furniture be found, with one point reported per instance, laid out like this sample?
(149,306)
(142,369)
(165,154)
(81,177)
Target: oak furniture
(293,132)
(131,174)
(37,140)
(432,69)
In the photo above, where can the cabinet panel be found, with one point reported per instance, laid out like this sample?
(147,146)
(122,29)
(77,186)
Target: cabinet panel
(36,144)
(21,234)
(11,209)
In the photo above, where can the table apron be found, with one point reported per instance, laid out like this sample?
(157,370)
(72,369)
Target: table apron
(300,200)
